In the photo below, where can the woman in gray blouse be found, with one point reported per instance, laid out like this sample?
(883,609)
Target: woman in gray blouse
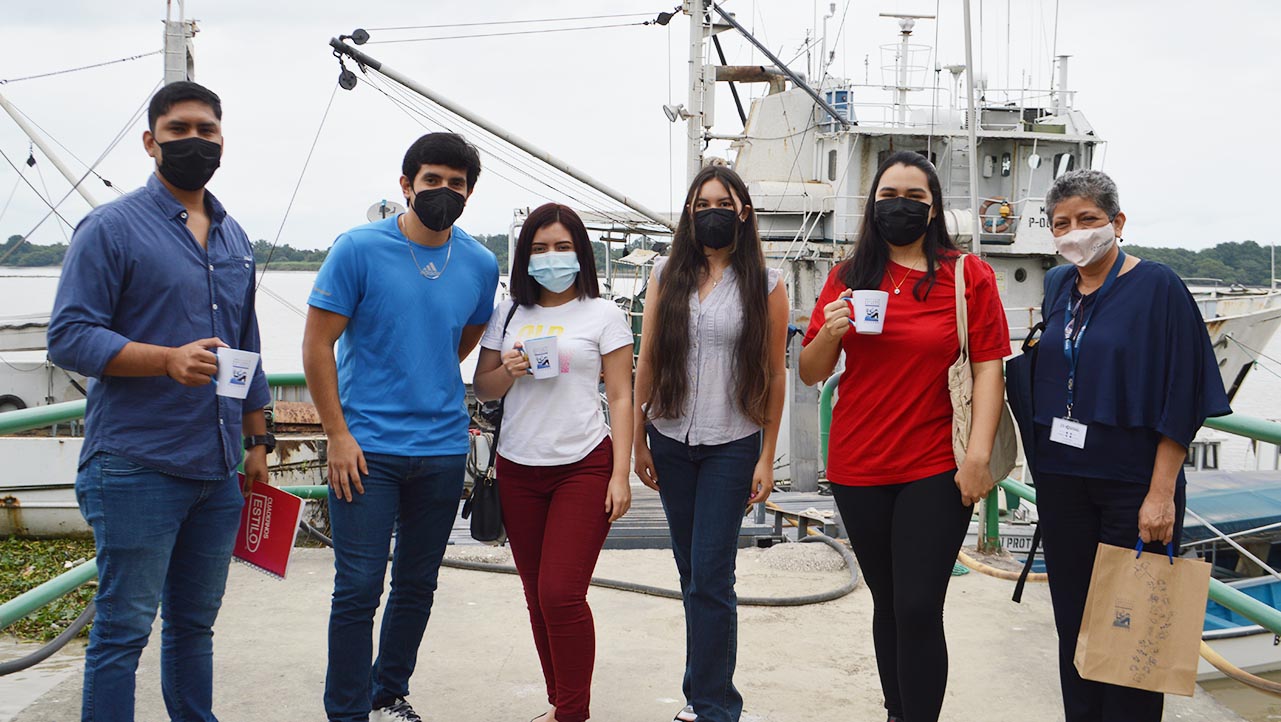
(709,394)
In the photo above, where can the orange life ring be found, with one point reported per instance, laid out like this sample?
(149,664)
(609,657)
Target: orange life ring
(999,224)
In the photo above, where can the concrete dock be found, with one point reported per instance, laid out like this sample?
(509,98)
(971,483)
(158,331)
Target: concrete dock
(478,662)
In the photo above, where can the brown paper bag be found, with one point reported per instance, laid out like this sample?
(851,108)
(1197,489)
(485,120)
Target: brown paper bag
(1142,622)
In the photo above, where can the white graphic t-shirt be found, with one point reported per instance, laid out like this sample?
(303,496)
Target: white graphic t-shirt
(549,422)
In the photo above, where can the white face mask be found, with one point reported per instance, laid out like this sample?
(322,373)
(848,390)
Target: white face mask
(1086,245)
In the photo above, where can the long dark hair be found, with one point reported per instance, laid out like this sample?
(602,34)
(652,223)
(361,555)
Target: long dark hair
(686,266)
(866,267)
(524,288)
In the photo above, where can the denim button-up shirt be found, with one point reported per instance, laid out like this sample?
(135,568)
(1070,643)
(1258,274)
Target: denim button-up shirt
(134,272)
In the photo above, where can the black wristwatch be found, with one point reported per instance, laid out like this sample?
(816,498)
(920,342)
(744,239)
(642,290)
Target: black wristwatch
(266,440)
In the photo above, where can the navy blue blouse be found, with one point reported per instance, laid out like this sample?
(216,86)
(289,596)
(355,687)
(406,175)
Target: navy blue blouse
(1145,370)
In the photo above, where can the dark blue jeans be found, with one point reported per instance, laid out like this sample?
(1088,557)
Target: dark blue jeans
(163,540)
(705,491)
(417,497)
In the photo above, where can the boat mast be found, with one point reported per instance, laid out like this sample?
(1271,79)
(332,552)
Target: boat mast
(699,117)
(972,124)
(179,63)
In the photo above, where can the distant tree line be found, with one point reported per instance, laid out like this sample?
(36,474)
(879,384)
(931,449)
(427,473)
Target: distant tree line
(284,257)
(1245,262)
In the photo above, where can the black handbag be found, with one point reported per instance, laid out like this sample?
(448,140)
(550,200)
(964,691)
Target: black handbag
(483,508)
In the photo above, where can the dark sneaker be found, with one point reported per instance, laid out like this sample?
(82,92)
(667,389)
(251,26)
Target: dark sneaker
(398,711)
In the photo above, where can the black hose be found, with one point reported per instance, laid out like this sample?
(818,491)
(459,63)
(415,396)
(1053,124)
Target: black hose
(796,601)
(48,650)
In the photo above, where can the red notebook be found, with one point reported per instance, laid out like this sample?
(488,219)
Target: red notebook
(268,524)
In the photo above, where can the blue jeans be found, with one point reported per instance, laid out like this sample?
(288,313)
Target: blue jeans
(147,524)
(705,491)
(417,497)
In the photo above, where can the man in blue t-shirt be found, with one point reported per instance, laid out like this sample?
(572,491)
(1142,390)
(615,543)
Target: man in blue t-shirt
(409,298)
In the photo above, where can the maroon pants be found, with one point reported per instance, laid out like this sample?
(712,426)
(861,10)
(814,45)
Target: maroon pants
(556,524)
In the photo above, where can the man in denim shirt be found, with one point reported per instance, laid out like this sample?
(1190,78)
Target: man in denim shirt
(152,283)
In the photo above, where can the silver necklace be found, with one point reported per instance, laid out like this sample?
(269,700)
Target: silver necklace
(429,272)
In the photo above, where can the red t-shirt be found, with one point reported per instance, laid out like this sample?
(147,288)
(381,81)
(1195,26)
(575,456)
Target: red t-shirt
(893,419)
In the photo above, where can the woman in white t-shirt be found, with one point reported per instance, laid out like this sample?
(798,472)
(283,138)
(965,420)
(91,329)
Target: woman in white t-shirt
(562,479)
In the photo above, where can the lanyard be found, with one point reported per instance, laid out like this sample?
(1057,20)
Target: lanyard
(1072,342)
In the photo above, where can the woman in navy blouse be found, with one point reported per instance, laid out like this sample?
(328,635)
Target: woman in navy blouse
(1124,378)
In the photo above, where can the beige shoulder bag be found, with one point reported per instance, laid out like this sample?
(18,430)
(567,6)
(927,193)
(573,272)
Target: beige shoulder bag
(960,384)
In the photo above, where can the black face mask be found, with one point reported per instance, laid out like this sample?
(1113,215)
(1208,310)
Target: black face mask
(901,221)
(438,208)
(716,227)
(189,163)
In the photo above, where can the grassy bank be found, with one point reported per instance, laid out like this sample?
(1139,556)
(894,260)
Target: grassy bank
(25,564)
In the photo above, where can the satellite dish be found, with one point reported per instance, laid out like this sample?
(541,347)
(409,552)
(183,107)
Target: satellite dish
(1034,161)
(384,209)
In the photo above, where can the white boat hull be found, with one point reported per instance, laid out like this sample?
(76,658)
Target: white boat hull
(1253,649)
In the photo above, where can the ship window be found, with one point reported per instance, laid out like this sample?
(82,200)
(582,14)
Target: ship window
(831,165)
(1063,162)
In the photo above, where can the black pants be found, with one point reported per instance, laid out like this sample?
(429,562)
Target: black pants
(906,537)
(1076,515)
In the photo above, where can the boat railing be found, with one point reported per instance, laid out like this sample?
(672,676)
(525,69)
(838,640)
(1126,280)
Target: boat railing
(943,102)
(37,417)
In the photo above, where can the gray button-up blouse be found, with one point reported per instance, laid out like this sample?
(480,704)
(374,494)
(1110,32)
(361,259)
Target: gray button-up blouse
(711,414)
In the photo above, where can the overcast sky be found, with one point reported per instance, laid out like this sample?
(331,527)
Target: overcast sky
(1184,93)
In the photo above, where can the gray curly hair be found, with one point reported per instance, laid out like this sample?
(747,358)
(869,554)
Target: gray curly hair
(1092,185)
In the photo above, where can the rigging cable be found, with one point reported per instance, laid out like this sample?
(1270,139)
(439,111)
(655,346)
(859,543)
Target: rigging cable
(495,146)
(101,157)
(506,34)
(301,174)
(513,22)
(83,67)
(35,190)
(9,200)
(410,107)
(70,152)
(45,185)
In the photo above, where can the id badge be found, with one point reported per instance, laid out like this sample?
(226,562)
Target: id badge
(1068,432)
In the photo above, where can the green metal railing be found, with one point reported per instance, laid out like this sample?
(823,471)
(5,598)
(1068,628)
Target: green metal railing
(1239,602)
(1238,424)
(38,417)
(33,599)
(12,422)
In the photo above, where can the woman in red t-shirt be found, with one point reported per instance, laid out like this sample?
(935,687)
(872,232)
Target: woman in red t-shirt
(902,498)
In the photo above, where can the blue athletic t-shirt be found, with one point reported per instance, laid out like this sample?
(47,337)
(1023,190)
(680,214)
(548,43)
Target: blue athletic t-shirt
(398,379)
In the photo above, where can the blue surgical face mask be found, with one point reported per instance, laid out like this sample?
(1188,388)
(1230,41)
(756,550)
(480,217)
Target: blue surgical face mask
(554,271)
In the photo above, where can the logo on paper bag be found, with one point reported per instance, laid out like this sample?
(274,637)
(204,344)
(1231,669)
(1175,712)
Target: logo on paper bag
(1121,615)
(259,519)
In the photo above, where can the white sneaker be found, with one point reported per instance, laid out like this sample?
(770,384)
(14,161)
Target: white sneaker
(398,711)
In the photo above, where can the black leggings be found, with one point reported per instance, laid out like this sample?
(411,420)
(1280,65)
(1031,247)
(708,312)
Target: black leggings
(906,537)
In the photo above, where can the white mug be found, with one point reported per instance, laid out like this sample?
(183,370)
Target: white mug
(867,311)
(235,371)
